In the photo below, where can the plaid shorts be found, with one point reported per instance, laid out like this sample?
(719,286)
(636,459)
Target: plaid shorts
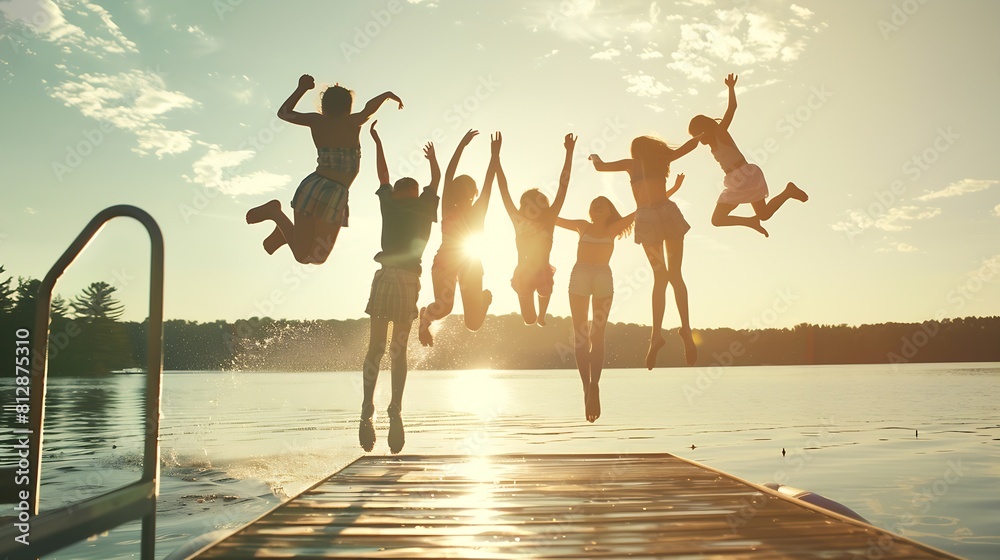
(322,198)
(394,295)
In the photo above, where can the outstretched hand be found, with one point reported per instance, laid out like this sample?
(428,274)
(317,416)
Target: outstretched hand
(306,82)
(570,142)
(495,142)
(678,180)
(429,152)
(373,131)
(594,158)
(395,98)
(730,80)
(468,137)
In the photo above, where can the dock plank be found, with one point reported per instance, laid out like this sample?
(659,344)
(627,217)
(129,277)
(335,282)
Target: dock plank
(550,506)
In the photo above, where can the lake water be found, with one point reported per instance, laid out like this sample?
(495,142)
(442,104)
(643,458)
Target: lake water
(914,449)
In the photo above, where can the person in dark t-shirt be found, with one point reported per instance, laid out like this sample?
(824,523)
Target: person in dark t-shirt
(406,225)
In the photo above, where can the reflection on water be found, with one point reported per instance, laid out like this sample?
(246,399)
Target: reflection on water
(913,450)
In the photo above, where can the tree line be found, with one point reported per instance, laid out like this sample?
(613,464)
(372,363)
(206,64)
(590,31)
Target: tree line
(88,337)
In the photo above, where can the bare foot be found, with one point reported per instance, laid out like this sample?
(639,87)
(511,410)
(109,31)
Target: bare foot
(274,241)
(487,299)
(397,437)
(655,343)
(540,321)
(263,212)
(593,402)
(795,192)
(366,431)
(756,226)
(424,331)
(690,350)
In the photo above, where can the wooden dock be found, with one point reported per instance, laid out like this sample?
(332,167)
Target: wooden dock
(551,506)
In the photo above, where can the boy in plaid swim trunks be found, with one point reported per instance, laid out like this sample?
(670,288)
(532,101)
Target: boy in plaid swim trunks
(406,226)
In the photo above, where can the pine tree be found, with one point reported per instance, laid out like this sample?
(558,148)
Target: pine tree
(96,303)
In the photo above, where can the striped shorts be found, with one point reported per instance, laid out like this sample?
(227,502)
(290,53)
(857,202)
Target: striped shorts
(394,295)
(322,198)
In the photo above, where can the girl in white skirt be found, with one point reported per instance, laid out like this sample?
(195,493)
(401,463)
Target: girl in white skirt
(744,182)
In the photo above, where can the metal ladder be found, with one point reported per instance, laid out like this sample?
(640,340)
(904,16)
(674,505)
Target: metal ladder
(53,530)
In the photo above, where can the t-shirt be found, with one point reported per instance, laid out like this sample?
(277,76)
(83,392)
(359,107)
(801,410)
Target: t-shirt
(406,226)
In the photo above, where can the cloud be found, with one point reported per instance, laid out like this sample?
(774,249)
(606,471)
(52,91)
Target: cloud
(645,85)
(898,219)
(737,37)
(647,54)
(135,101)
(606,54)
(897,247)
(802,13)
(996,210)
(217,168)
(965,186)
(46,20)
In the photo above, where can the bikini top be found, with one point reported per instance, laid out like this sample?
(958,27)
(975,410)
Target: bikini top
(341,160)
(587,238)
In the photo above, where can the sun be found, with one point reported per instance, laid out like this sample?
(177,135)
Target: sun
(474,245)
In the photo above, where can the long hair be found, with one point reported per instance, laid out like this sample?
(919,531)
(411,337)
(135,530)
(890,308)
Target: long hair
(534,203)
(653,154)
(613,215)
(701,124)
(336,100)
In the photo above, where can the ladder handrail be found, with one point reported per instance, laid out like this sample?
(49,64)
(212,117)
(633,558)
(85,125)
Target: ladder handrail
(154,372)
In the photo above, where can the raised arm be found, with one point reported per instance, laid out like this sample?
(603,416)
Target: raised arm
(686,147)
(570,143)
(601,165)
(435,168)
(383,169)
(481,203)
(287,110)
(677,184)
(508,203)
(731,110)
(449,174)
(574,225)
(373,105)
(623,223)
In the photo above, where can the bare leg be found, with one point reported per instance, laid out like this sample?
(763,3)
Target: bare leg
(274,241)
(376,349)
(675,256)
(767,209)
(397,357)
(597,329)
(654,253)
(543,306)
(444,300)
(722,218)
(324,238)
(475,300)
(581,343)
(527,302)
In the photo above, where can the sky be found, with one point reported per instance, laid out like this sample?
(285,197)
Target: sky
(884,111)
